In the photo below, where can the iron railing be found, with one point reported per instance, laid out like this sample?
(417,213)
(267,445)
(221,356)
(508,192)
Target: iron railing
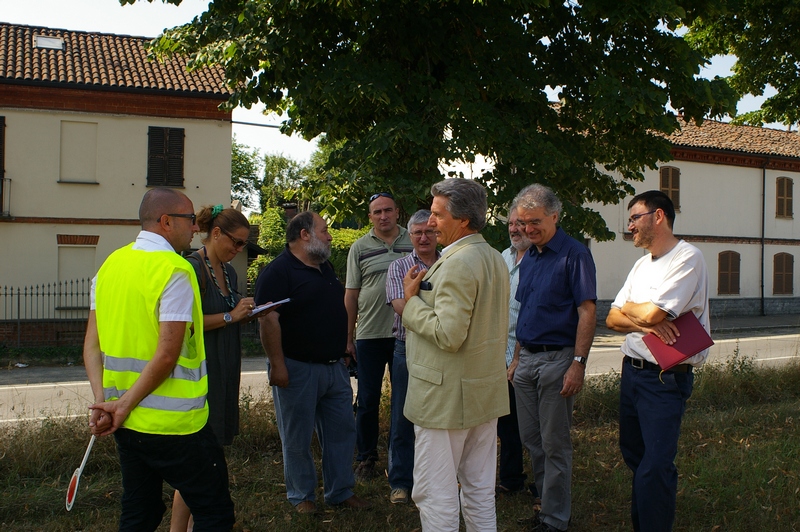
(61,300)
(55,314)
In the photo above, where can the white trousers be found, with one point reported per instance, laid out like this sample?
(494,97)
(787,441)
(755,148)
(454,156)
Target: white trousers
(442,459)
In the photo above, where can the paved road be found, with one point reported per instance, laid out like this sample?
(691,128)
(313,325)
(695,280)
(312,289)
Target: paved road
(43,392)
(37,393)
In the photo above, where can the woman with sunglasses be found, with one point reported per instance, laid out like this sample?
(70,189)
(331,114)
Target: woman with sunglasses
(226,232)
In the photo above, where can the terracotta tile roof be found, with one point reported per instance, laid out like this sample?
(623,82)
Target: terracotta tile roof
(97,60)
(745,139)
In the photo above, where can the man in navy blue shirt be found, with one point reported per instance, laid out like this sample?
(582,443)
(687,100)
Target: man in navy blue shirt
(557,293)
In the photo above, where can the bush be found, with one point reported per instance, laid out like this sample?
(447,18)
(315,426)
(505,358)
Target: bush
(272,237)
(342,240)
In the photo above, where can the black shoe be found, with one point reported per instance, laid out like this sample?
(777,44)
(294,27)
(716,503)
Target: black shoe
(544,527)
(501,490)
(365,470)
(532,521)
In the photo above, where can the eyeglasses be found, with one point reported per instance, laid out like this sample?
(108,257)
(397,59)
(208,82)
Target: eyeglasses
(528,223)
(381,195)
(635,217)
(238,244)
(430,233)
(192,217)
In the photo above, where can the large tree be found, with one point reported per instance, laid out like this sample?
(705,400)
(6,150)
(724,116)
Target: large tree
(764,35)
(405,85)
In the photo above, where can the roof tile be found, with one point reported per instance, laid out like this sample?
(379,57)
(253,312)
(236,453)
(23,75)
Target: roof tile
(745,139)
(98,59)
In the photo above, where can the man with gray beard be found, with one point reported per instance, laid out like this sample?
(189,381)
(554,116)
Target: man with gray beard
(511,474)
(308,372)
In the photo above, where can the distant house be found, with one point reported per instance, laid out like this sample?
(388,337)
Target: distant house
(87,125)
(733,190)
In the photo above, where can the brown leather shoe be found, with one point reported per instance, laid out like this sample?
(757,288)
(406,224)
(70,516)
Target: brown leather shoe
(306,507)
(355,503)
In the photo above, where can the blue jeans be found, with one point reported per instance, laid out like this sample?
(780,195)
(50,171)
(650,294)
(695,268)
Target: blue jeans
(511,467)
(401,433)
(545,420)
(650,412)
(319,397)
(192,463)
(373,355)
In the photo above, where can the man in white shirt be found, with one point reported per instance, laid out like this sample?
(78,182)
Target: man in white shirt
(668,282)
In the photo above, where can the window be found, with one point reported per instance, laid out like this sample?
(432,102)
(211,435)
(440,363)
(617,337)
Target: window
(671,184)
(3,192)
(78,159)
(728,278)
(783,193)
(783,274)
(76,265)
(165,157)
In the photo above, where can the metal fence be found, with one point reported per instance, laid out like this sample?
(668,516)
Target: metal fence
(61,300)
(52,314)
(55,314)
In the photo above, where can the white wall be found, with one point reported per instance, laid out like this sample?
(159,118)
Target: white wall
(716,201)
(33,163)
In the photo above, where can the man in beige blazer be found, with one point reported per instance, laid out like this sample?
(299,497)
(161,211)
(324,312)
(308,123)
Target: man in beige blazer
(456,317)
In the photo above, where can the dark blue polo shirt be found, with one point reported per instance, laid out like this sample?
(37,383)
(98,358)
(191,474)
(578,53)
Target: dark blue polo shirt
(314,322)
(552,284)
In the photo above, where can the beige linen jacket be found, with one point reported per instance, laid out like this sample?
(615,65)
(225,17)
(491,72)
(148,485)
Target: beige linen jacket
(456,341)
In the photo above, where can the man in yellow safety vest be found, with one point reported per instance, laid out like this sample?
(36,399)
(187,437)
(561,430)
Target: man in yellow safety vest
(145,359)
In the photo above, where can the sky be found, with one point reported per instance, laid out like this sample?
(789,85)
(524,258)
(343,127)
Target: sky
(144,19)
(147,19)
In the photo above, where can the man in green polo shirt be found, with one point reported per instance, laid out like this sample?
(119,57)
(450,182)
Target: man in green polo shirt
(371,342)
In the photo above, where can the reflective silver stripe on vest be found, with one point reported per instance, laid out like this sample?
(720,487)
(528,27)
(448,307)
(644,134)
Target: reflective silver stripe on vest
(160,402)
(137,366)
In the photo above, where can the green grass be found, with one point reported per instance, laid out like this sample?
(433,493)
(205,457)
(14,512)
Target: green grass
(738,466)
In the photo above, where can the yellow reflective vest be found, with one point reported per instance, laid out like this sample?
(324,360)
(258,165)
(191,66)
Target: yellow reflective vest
(127,293)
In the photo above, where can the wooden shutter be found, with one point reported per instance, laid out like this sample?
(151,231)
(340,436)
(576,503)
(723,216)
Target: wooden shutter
(671,184)
(783,274)
(728,273)
(783,197)
(165,156)
(2,163)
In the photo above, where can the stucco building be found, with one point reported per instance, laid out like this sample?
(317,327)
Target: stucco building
(733,191)
(87,125)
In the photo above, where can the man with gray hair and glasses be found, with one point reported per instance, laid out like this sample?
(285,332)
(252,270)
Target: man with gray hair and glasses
(401,433)
(456,363)
(557,293)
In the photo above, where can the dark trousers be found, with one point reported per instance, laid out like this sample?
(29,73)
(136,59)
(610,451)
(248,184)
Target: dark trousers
(511,467)
(373,355)
(194,464)
(650,412)
(401,433)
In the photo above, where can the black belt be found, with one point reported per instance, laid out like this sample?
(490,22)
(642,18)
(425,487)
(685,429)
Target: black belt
(334,361)
(541,348)
(639,363)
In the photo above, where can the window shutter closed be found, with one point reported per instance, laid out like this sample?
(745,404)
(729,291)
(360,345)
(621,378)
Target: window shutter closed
(728,274)
(2,162)
(165,157)
(783,197)
(671,184)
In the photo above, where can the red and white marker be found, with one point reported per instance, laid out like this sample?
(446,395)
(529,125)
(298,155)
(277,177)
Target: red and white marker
(72,490)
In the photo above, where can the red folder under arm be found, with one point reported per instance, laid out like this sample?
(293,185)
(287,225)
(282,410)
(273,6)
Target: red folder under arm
(692,340)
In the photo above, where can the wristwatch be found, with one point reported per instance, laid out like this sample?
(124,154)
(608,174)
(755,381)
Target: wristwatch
(227,317)
(582,360)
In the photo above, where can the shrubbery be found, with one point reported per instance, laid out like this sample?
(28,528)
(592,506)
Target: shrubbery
(272,237)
